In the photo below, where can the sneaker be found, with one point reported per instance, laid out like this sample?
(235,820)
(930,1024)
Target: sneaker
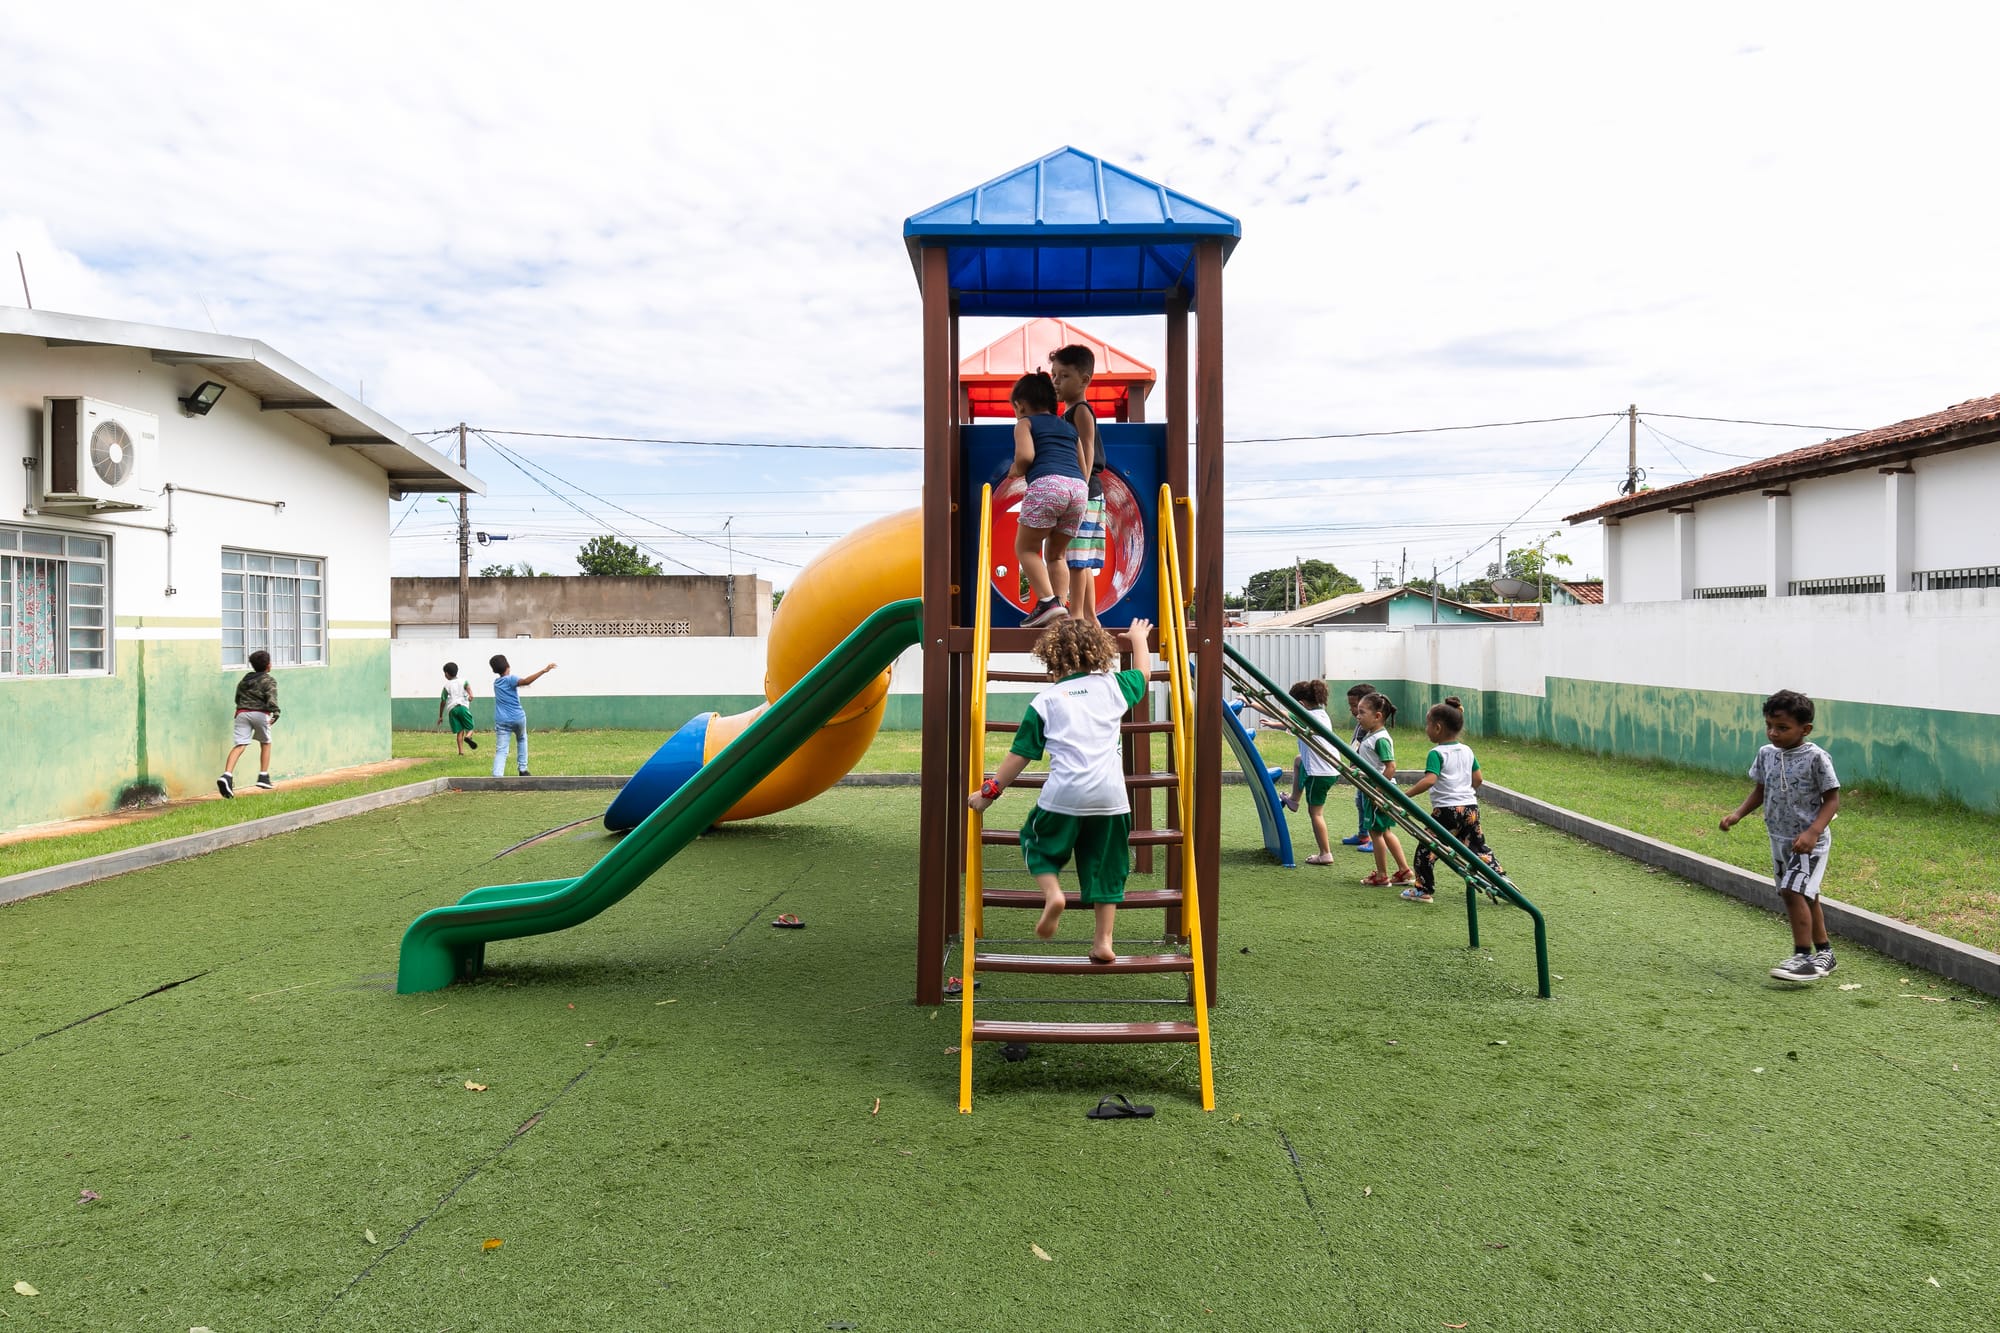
(1358,840)
(1415,895)
(226,784)
(471,743)
(524,773)
(264,782)
(1368,847)
(1823,959)
(1799,967)
(1045,613)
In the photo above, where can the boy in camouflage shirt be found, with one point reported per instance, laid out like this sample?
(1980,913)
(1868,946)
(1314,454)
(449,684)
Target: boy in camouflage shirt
(256,710)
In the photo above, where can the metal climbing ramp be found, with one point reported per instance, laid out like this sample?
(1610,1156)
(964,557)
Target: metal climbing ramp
(1182,903)
(1260,692)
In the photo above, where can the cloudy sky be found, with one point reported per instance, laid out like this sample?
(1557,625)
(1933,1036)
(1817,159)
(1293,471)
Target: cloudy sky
(603,221)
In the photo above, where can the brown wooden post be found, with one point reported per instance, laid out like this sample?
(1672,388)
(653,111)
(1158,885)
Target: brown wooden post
(1206,630)
(1177,481)
(937,804)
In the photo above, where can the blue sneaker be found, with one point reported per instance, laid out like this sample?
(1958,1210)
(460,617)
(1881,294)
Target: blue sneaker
(1368,847)
(1357,840)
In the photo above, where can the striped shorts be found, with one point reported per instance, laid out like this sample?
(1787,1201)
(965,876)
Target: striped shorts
(1086,550)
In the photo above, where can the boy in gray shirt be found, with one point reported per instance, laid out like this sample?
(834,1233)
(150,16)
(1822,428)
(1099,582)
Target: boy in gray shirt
(1800,794)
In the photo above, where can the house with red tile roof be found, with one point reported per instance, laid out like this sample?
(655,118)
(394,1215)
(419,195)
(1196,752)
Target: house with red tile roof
(1901,508)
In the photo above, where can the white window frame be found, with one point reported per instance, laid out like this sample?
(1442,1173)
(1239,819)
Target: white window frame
(276,601)
(85,597)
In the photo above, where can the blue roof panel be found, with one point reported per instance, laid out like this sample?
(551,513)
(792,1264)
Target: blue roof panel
(1069,233)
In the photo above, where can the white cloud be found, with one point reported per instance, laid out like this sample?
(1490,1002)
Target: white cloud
(687,223)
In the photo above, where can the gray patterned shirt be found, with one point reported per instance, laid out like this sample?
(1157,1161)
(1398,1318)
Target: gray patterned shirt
(1795,783)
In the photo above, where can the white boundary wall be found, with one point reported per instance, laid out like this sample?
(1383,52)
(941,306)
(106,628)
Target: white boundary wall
(1910,650)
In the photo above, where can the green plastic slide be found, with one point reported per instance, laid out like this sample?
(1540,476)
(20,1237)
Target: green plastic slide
(448,944)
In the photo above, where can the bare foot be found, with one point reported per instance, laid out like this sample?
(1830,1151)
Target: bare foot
(1105,954)
(1052,910)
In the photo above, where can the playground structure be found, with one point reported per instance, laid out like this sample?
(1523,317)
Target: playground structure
(1066,234)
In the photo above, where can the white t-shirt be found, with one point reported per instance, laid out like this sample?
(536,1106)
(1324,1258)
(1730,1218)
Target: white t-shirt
(1317,765)
(1377,750)
(457,694)
(1075,721)
(1454,764)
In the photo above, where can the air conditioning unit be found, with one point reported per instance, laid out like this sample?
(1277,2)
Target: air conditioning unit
(96,455)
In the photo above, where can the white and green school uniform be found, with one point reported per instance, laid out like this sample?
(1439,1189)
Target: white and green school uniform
(1453,764)
(457,699)
(1082,810)
(1377,751)
(1316,772)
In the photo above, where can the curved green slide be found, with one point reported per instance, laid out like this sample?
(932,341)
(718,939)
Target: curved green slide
(448,944)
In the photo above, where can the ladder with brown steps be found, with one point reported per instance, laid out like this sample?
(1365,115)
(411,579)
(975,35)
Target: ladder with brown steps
(1171,632)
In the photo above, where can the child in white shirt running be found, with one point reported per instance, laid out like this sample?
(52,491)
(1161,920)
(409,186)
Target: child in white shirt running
(1082,810)
(1452,777)
(455,702)
(1313,775)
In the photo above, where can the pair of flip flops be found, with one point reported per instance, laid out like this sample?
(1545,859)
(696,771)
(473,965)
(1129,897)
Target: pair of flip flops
(789,922)
(1119,1107)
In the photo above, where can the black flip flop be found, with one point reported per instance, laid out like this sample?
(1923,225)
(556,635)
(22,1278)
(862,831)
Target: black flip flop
(1119,1107)
(789,922)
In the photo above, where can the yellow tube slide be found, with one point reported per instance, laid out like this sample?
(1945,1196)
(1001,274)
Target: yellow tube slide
(874,565)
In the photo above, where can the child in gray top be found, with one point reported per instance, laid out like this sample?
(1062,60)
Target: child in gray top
(1800,793)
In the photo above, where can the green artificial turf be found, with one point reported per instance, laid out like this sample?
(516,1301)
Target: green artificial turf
(1925,862)
(680,1127)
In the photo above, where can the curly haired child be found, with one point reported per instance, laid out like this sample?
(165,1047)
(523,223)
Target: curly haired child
(1082,810)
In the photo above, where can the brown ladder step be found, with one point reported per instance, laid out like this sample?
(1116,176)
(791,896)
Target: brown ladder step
(1129,728)
(1131,780)
(1033,898)
(986,1029)
(1042,677)
(1075,963)
(1139,837)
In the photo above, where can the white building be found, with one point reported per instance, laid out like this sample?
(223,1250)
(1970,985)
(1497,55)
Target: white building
(158,540)
(1902,508)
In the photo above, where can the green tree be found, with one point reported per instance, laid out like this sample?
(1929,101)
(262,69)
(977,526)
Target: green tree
(519,570)
(777,596)
(1272,590)
(606,556)
(1534,564)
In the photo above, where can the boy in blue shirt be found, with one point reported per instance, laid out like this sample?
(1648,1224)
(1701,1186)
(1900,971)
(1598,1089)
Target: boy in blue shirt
(509,718)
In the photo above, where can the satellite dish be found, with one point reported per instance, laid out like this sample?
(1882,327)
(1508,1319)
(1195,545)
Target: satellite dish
(1514,590)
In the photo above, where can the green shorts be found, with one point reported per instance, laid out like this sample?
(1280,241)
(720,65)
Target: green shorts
(460,718)
(1375,816)
(1098,842)
(1315,788)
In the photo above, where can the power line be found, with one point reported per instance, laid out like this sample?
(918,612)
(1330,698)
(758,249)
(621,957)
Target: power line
(1550,491)
(1699,448)
(1419,430)
(592,517)
(510,455)
(1669,448)
(1743,421)
(705,444)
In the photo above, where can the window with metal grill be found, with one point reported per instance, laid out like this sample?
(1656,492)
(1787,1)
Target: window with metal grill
(1731,590)
(274,602)
(1827,587)
(1930,580)
(55,603)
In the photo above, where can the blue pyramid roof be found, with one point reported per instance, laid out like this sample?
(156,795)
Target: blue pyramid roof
(1068,234)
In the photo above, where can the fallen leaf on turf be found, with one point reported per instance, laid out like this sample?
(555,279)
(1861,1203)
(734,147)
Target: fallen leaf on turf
(658,1003)
(92,1196)
(1041,1254)
(1758,1070)
(1392,1042)
(1850,985)
(878,1107)
(1934,1282)
(23,1289)
(1496,1244)
(470,1086)
(1367,1191)
(1454,1325)
(368,1236)
(1954,1069)
(491,1243)
(1496,1043)
(1708,1277)
(951,1050)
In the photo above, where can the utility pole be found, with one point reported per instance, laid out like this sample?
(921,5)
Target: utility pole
(464,550)
(1403,574)
(1632,449)
(1500,556)
(1434,592)
(729,588)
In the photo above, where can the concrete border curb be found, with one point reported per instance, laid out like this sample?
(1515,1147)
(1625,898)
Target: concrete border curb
(1955,960)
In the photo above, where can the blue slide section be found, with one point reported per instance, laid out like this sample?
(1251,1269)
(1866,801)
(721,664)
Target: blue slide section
(1262,779)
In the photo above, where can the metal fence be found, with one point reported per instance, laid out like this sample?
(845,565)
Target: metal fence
(1282,654)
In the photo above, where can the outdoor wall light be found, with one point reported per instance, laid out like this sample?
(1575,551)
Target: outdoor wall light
(204,397)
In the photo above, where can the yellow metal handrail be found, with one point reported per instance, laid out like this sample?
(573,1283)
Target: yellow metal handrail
(973,918)
(1180,692)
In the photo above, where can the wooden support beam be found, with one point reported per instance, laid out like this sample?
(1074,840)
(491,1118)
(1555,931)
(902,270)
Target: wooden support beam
(1206,627)
(940,809)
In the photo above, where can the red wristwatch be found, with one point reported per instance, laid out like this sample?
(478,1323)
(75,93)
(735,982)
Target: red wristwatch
(990,789)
